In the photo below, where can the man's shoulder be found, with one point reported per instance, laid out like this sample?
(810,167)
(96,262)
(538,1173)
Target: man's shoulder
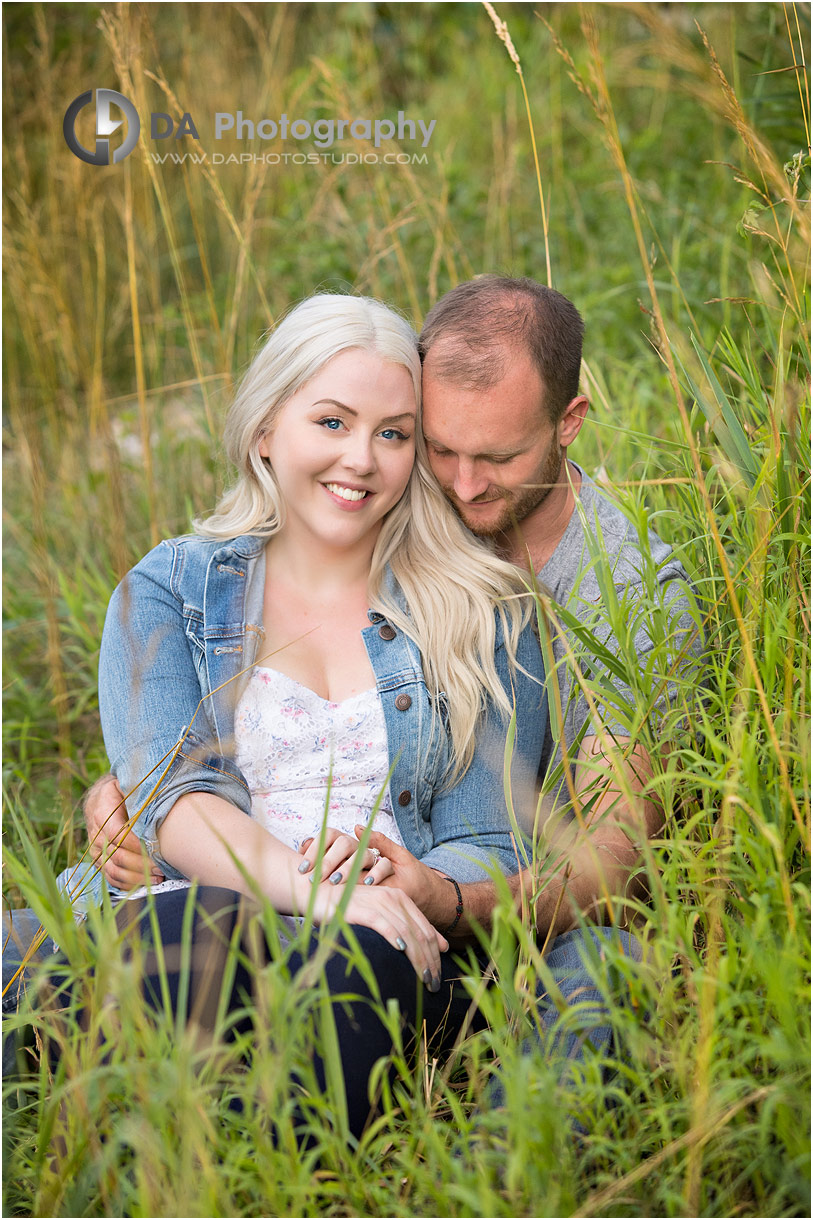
(600,532)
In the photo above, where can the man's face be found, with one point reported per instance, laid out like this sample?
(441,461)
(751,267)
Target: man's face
(495,452)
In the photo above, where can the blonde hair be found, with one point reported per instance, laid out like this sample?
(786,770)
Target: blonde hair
(450,581)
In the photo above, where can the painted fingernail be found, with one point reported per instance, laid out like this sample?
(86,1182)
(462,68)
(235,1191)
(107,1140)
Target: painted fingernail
(335,879)
(400,943)
(434,986)
(304,866)
(369,880)
(427,978)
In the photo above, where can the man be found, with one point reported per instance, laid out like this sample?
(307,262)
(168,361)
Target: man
(501,406)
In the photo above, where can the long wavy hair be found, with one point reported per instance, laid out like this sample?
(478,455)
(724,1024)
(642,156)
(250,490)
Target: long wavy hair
(451,583)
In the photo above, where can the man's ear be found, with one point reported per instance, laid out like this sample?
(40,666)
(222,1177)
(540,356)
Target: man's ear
(570,424)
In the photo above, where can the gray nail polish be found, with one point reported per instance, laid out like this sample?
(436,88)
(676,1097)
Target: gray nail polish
(369,881)
(335,878)
(427,978)
(434,986)
(400,943)
(304,866)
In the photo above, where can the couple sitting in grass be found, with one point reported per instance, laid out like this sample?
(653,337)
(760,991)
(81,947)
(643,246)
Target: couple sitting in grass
(308,701)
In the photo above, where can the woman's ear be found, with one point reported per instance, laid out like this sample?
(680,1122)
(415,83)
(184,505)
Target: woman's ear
(262,445)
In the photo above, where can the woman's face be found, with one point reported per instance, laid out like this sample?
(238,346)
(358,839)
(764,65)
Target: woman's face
(342,448)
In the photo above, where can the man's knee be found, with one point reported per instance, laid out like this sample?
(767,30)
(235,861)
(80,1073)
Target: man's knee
(584,980)
(583,957)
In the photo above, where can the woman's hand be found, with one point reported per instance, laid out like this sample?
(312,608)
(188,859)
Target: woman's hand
(336,862)
(394,916)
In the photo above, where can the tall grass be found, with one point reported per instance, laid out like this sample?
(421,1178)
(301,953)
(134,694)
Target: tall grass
(673,168)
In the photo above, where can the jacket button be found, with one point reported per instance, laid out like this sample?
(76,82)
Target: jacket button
(405,797)
(386,632)
(402,702)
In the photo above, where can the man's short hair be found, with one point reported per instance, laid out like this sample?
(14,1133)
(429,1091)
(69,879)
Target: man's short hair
(480,321)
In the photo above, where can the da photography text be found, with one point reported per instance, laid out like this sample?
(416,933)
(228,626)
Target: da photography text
(322,133)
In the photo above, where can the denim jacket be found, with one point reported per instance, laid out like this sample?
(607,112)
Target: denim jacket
(183,630)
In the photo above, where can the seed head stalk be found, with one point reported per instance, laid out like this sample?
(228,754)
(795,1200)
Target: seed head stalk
(800,63)
(505,38)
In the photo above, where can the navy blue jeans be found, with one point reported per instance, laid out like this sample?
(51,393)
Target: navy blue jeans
(363,1038)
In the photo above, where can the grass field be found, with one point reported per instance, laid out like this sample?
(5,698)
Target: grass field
(664,186)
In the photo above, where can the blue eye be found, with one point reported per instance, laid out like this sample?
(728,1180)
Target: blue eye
(393,433)
(331,422)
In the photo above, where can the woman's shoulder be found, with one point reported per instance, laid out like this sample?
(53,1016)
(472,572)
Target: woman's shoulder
(186,558)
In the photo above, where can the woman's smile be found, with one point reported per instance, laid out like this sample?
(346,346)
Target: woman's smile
(350,496)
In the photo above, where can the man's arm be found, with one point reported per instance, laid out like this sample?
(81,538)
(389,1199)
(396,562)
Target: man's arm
(584,865)
(122,856)
(587,863)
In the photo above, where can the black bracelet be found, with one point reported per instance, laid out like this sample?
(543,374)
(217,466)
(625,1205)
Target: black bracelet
(459,910)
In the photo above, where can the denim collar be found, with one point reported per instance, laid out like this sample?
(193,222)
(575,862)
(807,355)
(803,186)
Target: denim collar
(248,546)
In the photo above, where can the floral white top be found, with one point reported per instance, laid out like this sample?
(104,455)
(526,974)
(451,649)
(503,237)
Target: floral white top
(307,760)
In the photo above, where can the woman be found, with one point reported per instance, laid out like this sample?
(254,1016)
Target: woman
(332,633)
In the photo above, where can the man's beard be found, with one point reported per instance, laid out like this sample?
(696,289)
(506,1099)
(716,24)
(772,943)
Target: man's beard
(517,505)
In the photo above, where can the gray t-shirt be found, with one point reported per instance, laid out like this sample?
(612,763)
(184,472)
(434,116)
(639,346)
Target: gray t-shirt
(648,601)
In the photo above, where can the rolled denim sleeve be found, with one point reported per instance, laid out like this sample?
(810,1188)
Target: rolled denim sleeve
(157,731)
(471,823)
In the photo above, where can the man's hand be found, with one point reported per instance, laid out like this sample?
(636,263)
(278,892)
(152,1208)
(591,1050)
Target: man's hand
(426,887)
(122,856)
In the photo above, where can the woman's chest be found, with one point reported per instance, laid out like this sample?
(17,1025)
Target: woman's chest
(319,644)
